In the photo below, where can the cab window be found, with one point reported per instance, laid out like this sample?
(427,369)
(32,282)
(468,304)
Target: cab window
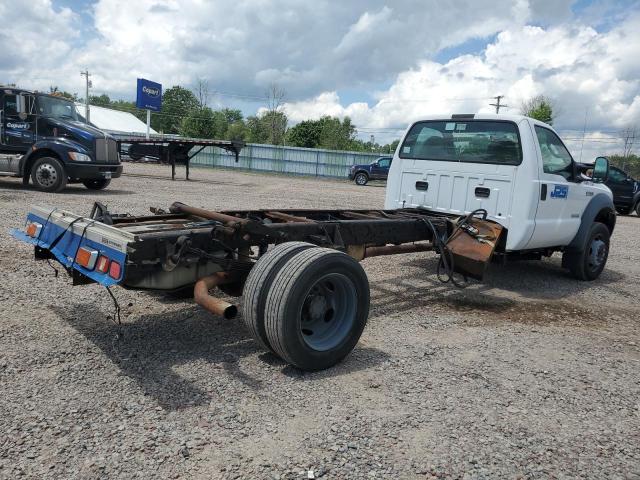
(472,141)
(384,162)
(556,158)
(617,176)
(10,105)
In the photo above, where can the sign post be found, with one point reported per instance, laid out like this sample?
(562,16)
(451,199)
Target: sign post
(149,97)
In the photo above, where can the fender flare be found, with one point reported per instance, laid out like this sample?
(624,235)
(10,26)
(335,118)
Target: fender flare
(59,149)
(600,209)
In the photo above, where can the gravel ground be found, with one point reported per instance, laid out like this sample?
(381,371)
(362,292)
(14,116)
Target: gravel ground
(528,375)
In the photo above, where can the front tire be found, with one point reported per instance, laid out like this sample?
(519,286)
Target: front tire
(317,308)
(361,179)
(48,175)
(99,184)
(588,264)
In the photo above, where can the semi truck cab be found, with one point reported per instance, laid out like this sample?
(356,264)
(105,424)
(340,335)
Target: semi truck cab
(43,140)
(520,172)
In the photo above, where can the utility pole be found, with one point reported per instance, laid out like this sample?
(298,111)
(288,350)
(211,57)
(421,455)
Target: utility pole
(498,105)
(86,74)
(584,131)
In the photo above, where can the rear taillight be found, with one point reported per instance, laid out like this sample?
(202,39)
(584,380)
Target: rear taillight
(114,270)
(33,229)
(102,265)
(87,257)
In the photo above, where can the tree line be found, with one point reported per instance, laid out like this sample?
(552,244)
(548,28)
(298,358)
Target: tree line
(186,112)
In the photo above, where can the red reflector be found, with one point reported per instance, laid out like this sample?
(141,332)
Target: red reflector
(33,229)
(114,270)
(103,264)
(86,257)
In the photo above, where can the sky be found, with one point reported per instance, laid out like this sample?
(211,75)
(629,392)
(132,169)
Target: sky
(384,64)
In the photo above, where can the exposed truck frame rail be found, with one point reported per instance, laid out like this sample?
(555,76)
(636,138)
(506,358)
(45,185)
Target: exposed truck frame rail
(306,297)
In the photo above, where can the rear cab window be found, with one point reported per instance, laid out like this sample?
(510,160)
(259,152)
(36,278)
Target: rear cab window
(470,141)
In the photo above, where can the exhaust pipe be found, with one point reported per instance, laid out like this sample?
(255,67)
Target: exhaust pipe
(211,303)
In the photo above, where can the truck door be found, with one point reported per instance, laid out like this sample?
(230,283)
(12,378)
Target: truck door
(17,128)
(622,187)
(380,169)
(561,199)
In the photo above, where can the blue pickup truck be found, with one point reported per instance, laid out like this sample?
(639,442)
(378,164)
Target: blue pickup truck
(377,170)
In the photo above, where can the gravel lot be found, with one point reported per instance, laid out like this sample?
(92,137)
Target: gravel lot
(529,375)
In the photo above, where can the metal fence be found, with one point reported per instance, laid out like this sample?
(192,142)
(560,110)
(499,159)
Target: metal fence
(289,160)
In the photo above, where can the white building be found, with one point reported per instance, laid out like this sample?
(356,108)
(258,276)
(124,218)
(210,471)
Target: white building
(114,121)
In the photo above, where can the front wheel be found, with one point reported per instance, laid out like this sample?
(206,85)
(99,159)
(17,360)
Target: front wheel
(589,263)
(638,209)
(48,175)
(361,179)
(99,184)
(317,308)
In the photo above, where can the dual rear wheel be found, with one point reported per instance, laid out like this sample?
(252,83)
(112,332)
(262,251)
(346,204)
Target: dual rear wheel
(306,304)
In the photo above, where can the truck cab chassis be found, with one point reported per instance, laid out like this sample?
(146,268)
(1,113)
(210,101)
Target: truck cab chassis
(306,296)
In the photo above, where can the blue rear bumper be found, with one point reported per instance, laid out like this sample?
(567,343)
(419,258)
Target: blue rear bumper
(66,248)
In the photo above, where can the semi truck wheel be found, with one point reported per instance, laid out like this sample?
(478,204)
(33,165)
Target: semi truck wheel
(317,308)
(257,287)
(361,179)
(99,184)
(589,263)
(48,175)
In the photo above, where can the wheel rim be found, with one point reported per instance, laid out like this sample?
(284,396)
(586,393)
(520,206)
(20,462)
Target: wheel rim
(361,179)
(597,253)
(46,174)
(328,312)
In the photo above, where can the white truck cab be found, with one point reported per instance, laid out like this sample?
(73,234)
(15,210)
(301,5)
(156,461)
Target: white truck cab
(519,171)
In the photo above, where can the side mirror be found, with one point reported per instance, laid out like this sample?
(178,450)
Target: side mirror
(21,107)
(600,170)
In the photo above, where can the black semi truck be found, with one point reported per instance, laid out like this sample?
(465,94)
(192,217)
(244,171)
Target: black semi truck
(42,139)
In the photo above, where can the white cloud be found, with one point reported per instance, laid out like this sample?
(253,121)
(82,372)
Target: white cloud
(315,49)
(306,47)
(575,65)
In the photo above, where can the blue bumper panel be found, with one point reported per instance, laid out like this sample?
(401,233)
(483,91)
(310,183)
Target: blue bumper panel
(66,249)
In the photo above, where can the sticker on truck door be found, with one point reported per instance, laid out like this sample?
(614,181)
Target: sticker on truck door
(560,191)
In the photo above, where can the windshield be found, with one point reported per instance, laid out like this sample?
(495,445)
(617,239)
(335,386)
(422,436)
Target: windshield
(477,141)
(57,107)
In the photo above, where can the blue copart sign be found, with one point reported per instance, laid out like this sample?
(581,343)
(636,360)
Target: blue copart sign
(149,95)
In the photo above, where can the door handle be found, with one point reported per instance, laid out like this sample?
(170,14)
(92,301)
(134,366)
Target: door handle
(422,186)
(543,191)
(483,192)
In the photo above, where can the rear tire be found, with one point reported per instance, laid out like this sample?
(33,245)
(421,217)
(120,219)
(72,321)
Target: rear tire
(99,184)
(588,264)
(317,308)
(258,284)
(48,175)
(638,209)
(361,179)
